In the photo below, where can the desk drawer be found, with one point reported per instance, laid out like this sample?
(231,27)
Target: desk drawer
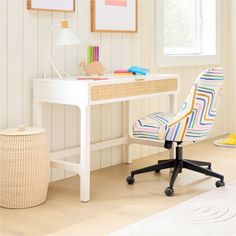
(109,91)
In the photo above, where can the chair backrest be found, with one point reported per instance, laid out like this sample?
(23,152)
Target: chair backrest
(196,118)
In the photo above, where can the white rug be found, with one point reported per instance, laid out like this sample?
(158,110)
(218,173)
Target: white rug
(209,214)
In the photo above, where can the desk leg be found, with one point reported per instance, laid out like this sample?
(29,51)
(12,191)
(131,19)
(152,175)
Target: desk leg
(85,154)
(172,107)
(126,132)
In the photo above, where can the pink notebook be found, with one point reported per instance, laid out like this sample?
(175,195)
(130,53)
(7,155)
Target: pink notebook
(122,71)
(98,78)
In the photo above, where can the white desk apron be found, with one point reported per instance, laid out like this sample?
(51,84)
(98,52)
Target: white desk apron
(84,94)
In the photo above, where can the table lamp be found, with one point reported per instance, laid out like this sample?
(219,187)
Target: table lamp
(65,38)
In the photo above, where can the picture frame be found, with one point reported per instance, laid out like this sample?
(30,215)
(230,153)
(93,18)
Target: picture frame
(106,16)
(51,5)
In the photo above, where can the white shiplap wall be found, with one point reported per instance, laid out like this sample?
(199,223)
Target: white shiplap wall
(232,68)
(26,40)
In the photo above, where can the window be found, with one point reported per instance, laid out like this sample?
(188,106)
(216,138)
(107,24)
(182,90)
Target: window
(187,32)
(181,27)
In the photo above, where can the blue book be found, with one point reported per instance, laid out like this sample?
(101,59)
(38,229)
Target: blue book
(138,70)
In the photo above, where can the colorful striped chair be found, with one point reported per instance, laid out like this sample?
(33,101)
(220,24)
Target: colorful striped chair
(192,123)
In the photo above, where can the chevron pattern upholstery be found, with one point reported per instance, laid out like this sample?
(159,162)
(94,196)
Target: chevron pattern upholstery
(195,119)
(151,126)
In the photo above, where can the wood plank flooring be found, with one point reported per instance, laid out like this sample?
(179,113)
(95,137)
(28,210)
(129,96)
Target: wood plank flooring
(113,203)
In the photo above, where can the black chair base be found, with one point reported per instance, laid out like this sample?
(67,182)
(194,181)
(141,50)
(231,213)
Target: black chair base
(178,164)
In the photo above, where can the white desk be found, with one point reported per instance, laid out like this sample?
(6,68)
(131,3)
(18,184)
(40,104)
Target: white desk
(86,93)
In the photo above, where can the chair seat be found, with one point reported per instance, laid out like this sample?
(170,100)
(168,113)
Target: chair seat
(152,126)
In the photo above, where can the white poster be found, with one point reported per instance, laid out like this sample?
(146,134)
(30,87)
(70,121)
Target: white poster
(114,15)
(54,5)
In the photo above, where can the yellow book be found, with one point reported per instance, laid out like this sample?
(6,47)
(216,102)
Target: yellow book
(230,141)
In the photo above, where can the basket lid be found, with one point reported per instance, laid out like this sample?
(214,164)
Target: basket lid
(22,130)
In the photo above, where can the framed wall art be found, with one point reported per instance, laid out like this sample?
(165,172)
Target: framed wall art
(51,5)
(114,16)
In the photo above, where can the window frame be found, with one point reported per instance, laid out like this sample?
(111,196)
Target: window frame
(163,60)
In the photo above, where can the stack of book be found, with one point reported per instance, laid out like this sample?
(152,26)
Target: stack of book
(133,70)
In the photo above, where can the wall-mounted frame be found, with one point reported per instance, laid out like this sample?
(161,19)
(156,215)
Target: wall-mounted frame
(114,16)
(51,5)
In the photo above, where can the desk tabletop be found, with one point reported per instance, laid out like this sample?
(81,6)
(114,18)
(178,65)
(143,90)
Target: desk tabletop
(109,79)
(113,89)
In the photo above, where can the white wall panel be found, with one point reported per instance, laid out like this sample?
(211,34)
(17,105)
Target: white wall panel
(232,59)
(3,63)
(27,39)
(30,66)
(58,136)
(15,62)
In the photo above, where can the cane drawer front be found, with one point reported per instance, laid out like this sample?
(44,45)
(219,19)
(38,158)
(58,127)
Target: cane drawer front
(136,88)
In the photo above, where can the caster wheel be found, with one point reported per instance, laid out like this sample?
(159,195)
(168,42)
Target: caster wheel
(157,171)
(130,180)
(169,191)
(220,183)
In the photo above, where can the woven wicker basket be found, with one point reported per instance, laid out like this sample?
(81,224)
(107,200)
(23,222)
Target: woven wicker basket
(24,167)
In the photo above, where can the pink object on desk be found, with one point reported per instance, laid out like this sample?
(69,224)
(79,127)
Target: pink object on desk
(121,71)
(92,78)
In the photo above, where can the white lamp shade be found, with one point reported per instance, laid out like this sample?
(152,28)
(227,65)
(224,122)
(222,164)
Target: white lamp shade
(66,37)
